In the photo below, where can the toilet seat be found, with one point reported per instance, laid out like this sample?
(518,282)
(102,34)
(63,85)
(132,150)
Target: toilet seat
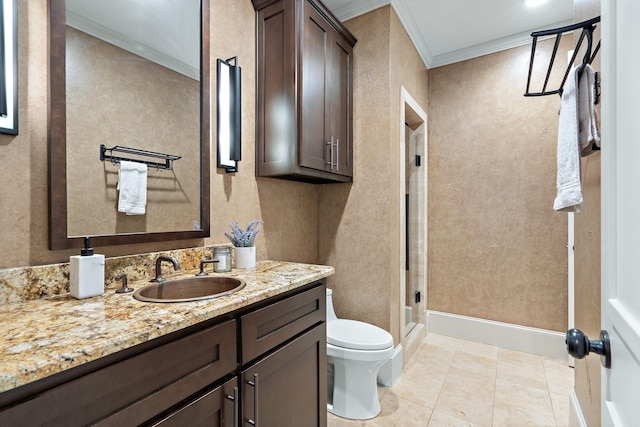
(355,335)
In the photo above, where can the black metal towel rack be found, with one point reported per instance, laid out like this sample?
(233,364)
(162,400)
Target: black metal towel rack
(588,27)
(168,158)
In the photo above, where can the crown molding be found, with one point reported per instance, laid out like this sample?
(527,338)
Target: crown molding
(357,8)
(412,27)
(413,30)
(487,48)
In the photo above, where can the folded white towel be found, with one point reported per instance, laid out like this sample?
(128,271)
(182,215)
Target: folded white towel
(589,134)
(569,196)
(132,184)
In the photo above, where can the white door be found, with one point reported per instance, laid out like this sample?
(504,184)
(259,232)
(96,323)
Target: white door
(621,210)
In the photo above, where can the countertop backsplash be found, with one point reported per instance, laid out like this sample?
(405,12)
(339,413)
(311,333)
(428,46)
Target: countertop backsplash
(21,284)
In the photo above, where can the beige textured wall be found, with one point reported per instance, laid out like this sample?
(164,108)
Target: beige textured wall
(117,98)
(587,258)
(289,209)
(359,222)
(497,250)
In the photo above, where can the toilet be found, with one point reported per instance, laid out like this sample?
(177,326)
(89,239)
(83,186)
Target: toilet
(356,351)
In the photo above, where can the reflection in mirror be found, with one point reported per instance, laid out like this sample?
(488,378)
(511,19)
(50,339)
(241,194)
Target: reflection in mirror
(132,74)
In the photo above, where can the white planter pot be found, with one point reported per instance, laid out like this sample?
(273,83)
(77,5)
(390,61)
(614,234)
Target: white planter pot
(246,257)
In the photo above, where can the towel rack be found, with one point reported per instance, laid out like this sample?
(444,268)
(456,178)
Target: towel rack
(168,158)
(588,28)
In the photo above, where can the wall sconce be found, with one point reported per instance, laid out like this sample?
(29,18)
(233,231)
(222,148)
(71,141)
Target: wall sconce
(8,67)
(229,114)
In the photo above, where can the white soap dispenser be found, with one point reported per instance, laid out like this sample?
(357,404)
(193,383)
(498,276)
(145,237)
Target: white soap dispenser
(86,273)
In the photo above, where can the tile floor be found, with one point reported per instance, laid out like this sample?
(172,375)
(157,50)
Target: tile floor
(451,382)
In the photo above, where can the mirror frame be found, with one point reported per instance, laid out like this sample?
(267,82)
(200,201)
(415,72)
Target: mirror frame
(9,66)
(57,143)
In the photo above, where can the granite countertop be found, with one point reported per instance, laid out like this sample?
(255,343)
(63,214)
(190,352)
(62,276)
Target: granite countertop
(47,336)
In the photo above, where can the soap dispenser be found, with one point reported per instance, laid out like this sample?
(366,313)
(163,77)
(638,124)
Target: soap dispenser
(86,273)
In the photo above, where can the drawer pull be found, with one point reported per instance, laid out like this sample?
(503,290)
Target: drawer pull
(330,162)
(234,399)
(254,383)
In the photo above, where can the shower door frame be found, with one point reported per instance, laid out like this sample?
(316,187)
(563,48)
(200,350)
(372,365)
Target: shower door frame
(418,115)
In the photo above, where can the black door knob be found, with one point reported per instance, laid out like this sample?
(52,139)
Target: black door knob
(579,346)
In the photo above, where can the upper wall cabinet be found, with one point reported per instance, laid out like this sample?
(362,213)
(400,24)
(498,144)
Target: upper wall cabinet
(304,86)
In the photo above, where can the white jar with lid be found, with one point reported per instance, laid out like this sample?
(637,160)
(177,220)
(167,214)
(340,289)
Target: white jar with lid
(223,255)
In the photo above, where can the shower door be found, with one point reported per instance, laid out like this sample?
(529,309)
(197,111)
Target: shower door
(415,215)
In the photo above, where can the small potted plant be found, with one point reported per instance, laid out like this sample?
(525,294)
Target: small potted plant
(242,240)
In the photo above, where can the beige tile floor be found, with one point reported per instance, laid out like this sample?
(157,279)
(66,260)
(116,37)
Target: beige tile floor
(451,382)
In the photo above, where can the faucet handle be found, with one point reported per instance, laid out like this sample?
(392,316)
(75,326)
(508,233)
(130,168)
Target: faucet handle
(202,264)
(124,289)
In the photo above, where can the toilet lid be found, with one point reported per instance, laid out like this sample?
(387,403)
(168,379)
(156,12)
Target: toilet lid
(357,335)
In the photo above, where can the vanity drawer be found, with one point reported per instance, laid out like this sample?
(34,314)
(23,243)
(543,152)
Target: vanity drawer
(274,324)
(137,388)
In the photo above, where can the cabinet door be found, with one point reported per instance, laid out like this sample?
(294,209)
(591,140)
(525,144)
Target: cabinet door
(288,388)
(276,94)
(217,408)
(339,98)
(314,111)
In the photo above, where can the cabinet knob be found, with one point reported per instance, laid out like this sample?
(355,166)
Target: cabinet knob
(579,346)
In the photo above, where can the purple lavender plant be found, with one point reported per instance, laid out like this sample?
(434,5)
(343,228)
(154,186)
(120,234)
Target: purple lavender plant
(243,238)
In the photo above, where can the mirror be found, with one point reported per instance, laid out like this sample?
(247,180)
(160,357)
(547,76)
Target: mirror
(134,74)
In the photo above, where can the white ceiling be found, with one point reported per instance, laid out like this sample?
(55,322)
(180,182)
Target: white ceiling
(448,31)
(443,31)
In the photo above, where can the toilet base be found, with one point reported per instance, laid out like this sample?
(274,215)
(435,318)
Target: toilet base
(355,389)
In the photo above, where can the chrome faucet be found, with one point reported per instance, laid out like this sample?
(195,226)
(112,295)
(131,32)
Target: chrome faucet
(176,266)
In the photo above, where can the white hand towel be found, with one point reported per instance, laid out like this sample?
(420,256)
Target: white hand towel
(589,134)
(569,198)
(132,184)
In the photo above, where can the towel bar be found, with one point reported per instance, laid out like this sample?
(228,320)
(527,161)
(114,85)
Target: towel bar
(588,27)
(168,158)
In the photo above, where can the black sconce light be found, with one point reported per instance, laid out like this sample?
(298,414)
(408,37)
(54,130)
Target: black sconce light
(8,67)
(229,114)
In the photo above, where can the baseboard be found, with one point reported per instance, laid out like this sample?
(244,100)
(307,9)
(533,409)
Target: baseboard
(390,372)
(515,337)
(576,418)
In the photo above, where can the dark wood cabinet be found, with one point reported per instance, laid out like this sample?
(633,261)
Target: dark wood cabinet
(134,389)
(217,408)
(269,357)
(288,388)
(283,380)
(304,85)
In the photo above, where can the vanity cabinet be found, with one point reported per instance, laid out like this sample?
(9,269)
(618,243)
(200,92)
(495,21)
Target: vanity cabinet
(305,91)
(285,385)
(265,363)
(136,388)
